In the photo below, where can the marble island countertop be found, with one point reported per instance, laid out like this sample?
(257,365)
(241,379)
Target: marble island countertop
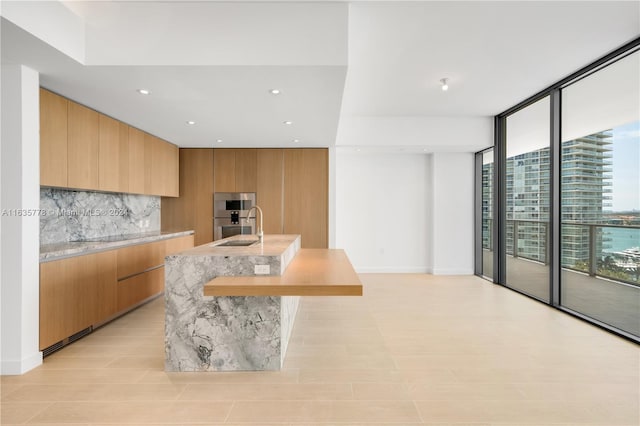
(57,251)
(275,251)
(272,245)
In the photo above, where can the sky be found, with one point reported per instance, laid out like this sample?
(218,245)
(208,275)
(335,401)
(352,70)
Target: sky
(626,167)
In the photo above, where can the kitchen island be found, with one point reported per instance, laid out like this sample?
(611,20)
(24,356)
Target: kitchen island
(232,307)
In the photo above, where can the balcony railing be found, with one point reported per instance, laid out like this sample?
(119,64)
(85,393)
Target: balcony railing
(599,250)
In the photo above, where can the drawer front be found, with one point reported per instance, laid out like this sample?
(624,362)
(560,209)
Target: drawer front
(175,245)
(136,259)
(134,290)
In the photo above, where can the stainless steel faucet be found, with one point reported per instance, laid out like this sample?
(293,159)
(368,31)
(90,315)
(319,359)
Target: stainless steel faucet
(258,228)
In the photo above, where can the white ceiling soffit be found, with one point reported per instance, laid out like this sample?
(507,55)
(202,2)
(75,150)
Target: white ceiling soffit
(495,54)
(199,71)
(214,62)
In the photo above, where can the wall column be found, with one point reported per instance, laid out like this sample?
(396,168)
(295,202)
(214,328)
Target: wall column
(19,225)
(453,212)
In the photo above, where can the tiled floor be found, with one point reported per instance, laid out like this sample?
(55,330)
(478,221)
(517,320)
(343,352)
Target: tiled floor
(415,349)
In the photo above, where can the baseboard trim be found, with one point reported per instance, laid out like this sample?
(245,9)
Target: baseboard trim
(394,270)
(17,367)
(452,271)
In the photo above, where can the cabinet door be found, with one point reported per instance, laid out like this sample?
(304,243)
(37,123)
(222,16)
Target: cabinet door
(194,208)
(175,245)
(246,169)
(270,188)
(136,161)
(113,156)
(224,170)
(171,170)
(306,191)
(153,162)
(136,259)
(53,139)
(75,293)
(105,287)
(138,288)
(82,147)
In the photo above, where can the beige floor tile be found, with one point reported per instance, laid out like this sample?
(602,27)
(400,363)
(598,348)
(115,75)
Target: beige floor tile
(505,412)
(441,350)
(373,361)
(270,391)
(325,411)
(97,392)
(350,376)
(183,412)
(464,392)
(20,412)
(251,377)
(380,391)
(73,376)
(137,362)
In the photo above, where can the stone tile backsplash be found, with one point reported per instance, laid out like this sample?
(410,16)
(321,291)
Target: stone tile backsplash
(81,215)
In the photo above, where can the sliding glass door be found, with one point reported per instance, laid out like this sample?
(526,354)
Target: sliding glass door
(559,206)
(600,195)
(527,201)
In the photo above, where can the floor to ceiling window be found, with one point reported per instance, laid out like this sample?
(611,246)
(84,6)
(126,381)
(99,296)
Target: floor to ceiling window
(527,200)
(487,214)
(600,195)
(563,221)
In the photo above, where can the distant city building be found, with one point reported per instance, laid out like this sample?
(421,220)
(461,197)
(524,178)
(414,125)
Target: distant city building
(586,181)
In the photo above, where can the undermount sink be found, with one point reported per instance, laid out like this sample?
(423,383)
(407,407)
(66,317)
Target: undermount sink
(237,243)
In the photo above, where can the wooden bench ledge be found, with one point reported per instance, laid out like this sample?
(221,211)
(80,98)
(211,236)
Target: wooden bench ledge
(312,272)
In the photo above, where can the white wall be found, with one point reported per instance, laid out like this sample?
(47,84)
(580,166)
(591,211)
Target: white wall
(453,212)
(437,134)
(51,22)
(382,213)
(20,171)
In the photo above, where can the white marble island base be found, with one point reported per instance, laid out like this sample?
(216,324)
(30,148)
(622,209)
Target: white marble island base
(227,333)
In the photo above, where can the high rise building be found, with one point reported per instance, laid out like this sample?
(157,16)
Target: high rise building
(586,181)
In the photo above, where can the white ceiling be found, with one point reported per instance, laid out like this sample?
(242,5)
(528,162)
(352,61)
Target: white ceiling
(335,62)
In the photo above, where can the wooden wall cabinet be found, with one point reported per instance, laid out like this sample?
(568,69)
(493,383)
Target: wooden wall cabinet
(194,208)
(53,139)
(235,170)
(306,195)
(136,161)
(160,166)
(270,175)
(113,156)
(82,147)
(75,293)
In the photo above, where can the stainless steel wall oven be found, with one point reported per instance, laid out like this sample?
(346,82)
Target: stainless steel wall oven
(230,214)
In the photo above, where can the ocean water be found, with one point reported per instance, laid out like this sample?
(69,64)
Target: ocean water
(621,239)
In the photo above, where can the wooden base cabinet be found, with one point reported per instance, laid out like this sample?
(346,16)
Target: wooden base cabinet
(76,293)
(83,291)
(138,288)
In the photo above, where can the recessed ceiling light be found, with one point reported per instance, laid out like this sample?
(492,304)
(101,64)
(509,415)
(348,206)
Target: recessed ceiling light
(274,91)
(288,123)
(219,140)
(358,150)
(445,85)
(144,91)
(191,123)
(296,140)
